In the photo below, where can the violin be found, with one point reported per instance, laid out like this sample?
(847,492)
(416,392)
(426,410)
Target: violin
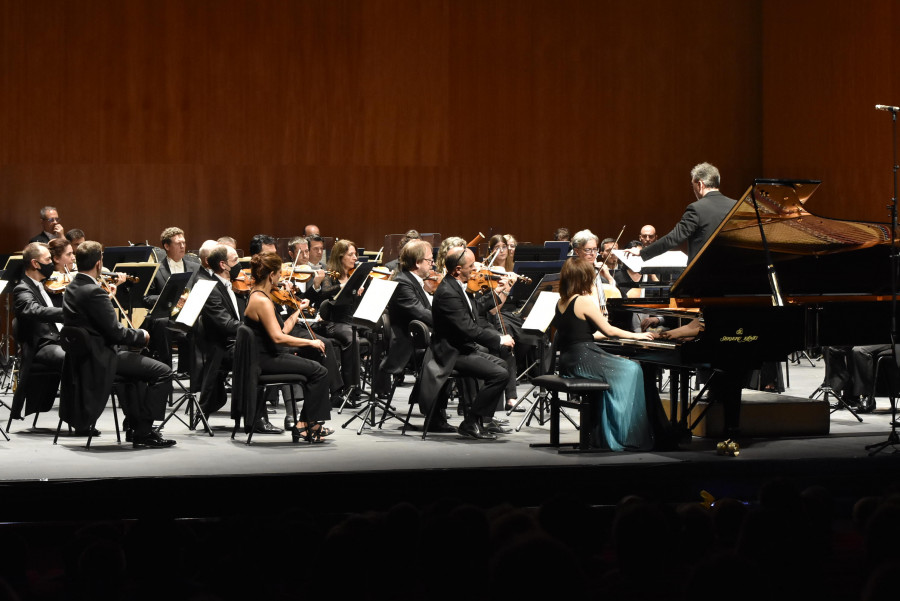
(377,273)
(303,273)
(487,279)
(112,278)
(242,283)
(283,296)
(432,281)
(56,283)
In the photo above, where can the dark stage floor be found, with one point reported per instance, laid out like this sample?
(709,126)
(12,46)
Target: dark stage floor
(208,476)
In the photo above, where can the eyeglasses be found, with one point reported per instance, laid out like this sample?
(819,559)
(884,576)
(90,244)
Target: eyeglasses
(501,247)
(590,251)
(429,260)
(51,219)
(512,247)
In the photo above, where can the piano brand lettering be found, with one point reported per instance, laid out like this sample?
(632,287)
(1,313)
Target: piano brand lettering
(739,337)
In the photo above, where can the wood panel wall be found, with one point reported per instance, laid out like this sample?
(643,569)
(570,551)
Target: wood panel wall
(369,117)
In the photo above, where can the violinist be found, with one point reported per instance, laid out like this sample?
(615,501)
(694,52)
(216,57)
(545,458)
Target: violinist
(147,382)
(63,267)
(76,237)
(298,249)
(455,345)
(316,251)
(277,347)
(447,245)
(586,247)
(409,302)
(342,261)
(217,328)
(38,322)
(311,329)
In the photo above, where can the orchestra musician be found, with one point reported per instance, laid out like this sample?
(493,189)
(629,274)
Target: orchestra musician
(277,347)
(447,244)
(621,414)
(316,251)
(455,345)
(76,237)
(409,302)
(51,227)
(147,381)
(342,261)
(311,290)
(408,237)
(175,260)
(216,330)
(38,322)
(647,235)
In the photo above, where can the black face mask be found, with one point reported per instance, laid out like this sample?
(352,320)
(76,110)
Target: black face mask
(46,269)
(234,271)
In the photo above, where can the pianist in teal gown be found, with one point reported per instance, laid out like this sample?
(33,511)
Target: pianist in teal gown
(620,414)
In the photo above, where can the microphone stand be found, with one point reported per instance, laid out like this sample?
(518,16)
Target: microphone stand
(892,438)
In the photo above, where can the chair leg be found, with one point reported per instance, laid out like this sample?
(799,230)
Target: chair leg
(58,428)
(408,416)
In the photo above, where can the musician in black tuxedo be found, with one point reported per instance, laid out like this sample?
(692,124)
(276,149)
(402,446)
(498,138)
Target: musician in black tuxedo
(175,261)
(147,381)
(409,302)
(50,226)
(454,345)
(700,219)
(38,321)
(217,327)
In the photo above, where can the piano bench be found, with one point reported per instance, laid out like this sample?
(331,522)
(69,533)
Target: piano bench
(578,391)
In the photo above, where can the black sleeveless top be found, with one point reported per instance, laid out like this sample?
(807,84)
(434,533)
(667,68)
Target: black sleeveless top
(570,330)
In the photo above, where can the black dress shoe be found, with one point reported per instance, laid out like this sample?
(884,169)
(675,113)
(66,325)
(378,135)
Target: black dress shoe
(441,427)
(87,432)
(264,426)
(866,404)
(473,429)
(495,427)
(289,422)
(152,440)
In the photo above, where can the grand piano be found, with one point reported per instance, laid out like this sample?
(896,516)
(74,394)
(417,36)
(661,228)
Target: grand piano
(833,277)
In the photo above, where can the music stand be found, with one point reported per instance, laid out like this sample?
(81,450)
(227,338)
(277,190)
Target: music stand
(537,253)
(541,309)
(347,300)
(564,246)
(370,310)
(12,273)
(184,322)
(126,254)
(144,272)
(170,294)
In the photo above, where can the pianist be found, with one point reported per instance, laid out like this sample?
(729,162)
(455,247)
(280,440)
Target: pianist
(621,413)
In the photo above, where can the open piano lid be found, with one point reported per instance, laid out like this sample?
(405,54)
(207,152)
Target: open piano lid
(812,255)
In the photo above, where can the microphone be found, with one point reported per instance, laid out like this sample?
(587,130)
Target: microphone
(884,107)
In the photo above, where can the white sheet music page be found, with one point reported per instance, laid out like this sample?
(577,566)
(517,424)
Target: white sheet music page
(672,258)
(195,301)
(377,296)
(542,312)
(3,284)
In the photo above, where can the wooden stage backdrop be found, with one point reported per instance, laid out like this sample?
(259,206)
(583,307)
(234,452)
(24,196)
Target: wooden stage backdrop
(369,117)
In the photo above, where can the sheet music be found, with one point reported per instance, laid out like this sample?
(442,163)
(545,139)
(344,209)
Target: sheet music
(672,258)
(195,301)
(377,296)
(542,313)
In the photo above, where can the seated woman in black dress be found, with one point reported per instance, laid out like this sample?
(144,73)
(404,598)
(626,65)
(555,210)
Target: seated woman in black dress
(276,356)
(621,413)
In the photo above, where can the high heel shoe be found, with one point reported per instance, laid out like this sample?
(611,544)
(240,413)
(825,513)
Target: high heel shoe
(300,433)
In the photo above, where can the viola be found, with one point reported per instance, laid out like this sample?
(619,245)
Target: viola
(282,296)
